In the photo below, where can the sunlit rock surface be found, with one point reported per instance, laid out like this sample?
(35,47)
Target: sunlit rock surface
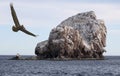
(79,36)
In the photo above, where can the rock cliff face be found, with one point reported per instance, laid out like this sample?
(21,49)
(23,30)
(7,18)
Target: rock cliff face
(79,36)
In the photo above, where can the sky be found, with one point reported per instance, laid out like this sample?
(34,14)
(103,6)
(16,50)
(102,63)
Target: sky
(40,16)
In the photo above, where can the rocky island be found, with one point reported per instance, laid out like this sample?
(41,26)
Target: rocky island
(79,36)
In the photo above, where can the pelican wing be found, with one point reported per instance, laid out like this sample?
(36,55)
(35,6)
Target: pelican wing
(27,32)
(14,16)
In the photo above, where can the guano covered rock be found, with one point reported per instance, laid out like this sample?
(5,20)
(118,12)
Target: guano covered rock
(79,36)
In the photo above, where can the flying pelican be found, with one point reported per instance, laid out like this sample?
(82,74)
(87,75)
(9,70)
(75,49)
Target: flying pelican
(17,25)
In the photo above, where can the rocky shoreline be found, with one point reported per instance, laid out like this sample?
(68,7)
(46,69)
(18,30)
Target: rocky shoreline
(54,59)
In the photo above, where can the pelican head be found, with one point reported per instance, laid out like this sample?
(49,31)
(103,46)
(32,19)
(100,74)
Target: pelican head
(15,29)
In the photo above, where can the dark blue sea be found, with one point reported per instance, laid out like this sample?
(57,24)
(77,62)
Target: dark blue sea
(108,67)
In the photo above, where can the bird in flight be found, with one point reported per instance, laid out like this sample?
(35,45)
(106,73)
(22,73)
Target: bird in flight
(17,27)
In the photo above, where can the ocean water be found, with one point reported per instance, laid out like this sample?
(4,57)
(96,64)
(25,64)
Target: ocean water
(108,67)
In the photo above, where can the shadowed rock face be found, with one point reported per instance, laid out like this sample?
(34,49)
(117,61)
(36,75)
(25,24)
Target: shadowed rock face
(79,36)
